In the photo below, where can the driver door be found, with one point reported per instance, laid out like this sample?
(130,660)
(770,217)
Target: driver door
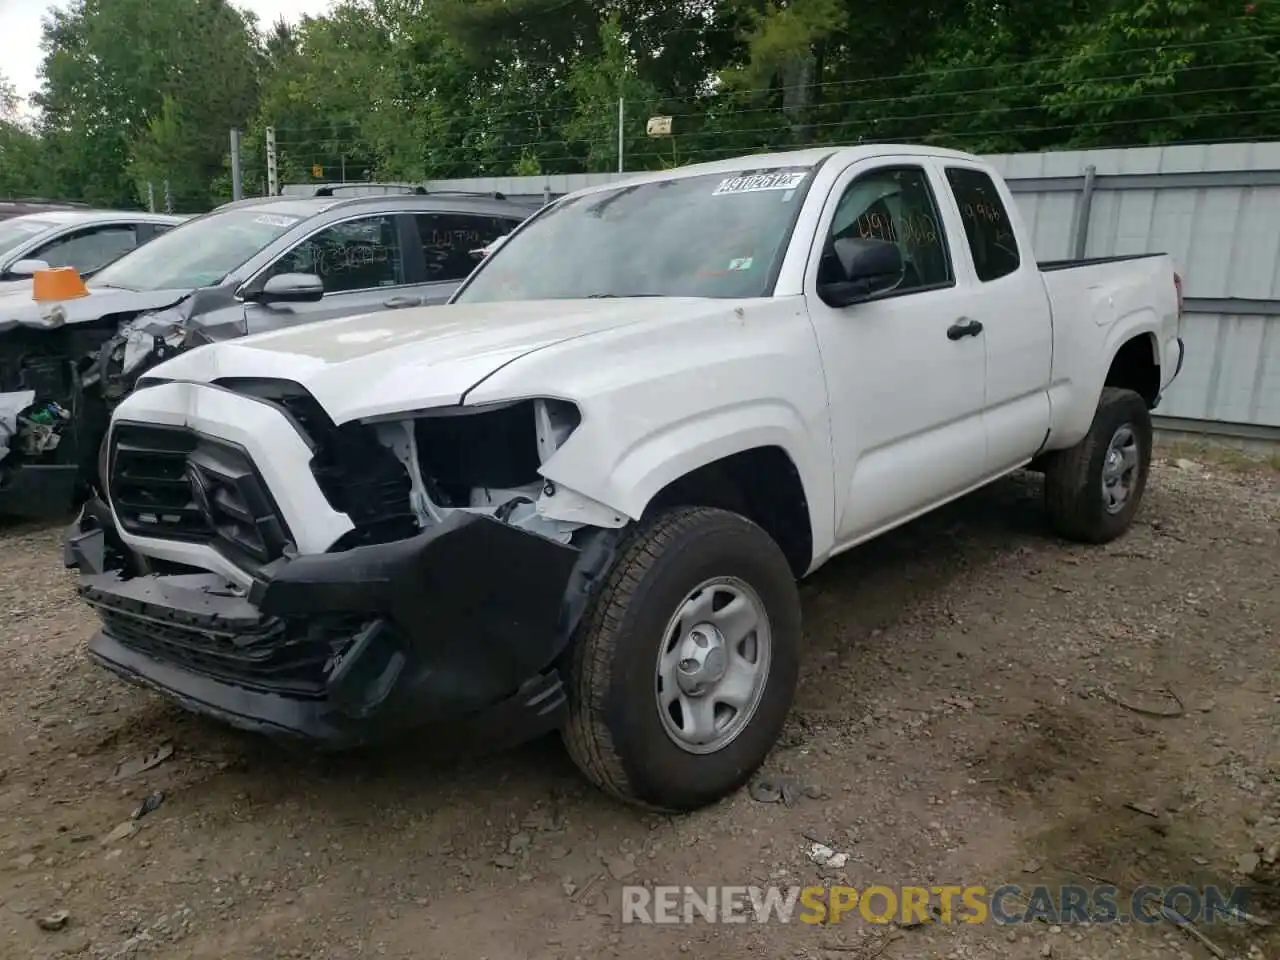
(906,396)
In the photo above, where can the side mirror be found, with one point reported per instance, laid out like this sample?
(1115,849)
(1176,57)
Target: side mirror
(292,288)
(870,267)
(28,268)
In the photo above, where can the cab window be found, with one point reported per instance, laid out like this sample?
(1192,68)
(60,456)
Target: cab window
(361,254)
(895,204)
(986,223)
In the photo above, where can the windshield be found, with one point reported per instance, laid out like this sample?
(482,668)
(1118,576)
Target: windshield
(704,236)
(16,230)
(198,253)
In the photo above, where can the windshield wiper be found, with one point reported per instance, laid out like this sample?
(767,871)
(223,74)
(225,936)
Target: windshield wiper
(621,296)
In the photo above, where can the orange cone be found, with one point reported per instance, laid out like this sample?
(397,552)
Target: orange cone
(58,283)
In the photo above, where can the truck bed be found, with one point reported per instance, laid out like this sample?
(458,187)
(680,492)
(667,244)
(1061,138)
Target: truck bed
(1102,292)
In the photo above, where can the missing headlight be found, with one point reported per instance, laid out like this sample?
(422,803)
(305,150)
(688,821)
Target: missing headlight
(500,448)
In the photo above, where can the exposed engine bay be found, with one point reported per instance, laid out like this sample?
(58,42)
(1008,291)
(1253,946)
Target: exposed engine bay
(64,369)
(396,477)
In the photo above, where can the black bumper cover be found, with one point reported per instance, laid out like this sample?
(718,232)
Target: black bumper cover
(460,624)
(38,491)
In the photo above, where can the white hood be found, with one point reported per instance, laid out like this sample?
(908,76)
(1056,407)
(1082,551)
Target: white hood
(398,360)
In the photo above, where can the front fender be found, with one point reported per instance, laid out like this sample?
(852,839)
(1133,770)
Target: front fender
(627,478)
(695,382)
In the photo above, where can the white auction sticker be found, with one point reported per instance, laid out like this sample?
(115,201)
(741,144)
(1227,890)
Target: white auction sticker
(758,182)
(271,220)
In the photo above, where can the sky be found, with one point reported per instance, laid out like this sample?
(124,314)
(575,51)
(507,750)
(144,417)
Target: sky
(20,28)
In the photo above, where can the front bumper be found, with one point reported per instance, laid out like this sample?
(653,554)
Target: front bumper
(460,624)
(33,491)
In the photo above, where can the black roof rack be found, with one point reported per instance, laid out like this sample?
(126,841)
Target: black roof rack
(330,189)
(490,194)
(388,189)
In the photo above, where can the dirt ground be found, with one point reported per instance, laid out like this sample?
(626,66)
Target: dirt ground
(967,711)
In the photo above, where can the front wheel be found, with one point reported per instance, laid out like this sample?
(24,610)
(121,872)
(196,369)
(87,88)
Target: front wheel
(1093,490)
(685,664)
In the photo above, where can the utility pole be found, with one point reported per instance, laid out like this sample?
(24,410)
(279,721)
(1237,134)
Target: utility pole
(237,186)
(622,112)
(273,179)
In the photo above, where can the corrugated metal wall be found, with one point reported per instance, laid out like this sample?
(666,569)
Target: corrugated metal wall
(1215,208)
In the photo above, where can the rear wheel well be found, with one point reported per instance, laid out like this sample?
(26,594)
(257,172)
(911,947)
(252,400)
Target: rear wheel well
(761,484)
(1135,368)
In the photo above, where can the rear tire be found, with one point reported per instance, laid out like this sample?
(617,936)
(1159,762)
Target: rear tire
(675,698)
(1093,490)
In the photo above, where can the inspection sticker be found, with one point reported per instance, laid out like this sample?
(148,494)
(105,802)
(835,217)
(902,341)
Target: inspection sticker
(758,182)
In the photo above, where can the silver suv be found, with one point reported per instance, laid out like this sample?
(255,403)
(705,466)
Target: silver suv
(247,267)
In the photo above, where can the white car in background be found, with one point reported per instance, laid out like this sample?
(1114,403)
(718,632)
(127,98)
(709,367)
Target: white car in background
(85,239)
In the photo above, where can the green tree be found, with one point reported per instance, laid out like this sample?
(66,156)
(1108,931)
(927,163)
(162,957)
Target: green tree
(429,89)
(19,147)
(1160,71)
(136,91)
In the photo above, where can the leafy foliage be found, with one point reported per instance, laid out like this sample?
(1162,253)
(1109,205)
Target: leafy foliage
(136,93)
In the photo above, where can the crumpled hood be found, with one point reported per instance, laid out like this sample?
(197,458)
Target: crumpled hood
(17,309)
(397,360)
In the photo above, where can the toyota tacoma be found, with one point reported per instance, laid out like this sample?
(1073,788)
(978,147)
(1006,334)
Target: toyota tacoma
(579,495)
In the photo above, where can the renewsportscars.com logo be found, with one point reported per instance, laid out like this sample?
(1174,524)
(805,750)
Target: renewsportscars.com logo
(1005,904)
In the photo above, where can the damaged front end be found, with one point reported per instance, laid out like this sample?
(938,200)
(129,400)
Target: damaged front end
(50,423)
(63,368)
(450,598)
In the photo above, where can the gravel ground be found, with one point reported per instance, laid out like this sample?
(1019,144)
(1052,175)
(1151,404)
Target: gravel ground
(967,715)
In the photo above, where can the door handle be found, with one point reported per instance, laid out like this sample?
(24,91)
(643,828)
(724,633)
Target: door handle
(964,327)
(397,302)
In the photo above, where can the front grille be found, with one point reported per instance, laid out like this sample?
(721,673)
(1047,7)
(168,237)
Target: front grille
(174,484)
(266,658)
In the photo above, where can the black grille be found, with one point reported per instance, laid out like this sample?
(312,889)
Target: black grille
(173,484)
(266,658)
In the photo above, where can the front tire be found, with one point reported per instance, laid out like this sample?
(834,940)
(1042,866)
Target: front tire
(685,664)
(1093,490)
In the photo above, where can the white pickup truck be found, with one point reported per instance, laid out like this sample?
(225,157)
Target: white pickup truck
(579,496)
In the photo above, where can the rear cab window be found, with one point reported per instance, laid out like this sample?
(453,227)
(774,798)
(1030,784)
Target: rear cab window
(987,226)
